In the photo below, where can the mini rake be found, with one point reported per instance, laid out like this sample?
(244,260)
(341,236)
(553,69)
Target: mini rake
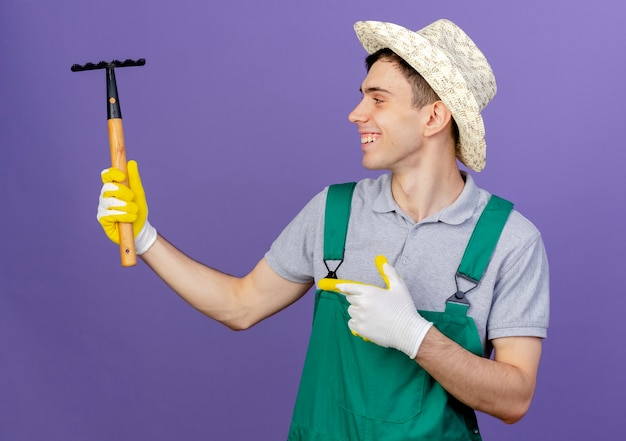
(116,142)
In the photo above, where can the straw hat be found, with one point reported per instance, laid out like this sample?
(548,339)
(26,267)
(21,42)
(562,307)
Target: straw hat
(453,66)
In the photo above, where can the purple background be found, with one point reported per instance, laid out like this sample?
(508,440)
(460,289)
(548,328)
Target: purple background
(237,119)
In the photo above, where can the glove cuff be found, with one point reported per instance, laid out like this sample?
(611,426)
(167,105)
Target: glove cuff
(414,332)
(418,337)
(145,239)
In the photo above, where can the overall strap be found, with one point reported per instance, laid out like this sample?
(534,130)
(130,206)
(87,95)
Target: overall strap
(337,216)
(482,243)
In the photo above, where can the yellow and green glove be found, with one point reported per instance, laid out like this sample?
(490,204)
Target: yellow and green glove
(385,316)
(121,203)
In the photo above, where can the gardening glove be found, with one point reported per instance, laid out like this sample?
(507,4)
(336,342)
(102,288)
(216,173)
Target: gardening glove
(385,316)
(121,203)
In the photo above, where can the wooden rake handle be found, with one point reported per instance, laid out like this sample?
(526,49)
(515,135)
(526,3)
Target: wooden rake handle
(118,160)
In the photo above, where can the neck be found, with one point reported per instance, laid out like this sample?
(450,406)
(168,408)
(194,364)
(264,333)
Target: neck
(427,190)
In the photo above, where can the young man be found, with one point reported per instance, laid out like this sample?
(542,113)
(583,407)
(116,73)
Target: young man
(409,360)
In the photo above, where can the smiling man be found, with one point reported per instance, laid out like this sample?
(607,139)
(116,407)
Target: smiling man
(443,295)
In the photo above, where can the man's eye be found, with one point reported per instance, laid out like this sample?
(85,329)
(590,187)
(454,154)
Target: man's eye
(377,100)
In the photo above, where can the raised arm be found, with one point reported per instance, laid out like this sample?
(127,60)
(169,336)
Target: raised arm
(237,302)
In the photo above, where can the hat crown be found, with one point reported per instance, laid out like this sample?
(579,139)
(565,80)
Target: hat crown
(463,54)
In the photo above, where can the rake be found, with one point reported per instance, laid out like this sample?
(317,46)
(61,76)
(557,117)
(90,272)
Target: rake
(116,142)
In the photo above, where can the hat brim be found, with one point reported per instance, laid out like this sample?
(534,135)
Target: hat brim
(441,74)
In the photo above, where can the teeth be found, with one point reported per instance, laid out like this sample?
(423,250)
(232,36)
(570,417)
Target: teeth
(365,139)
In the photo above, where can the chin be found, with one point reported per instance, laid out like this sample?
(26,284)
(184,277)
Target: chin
(370,165)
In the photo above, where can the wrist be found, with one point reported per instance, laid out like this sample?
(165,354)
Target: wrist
(414,331)
(145,238)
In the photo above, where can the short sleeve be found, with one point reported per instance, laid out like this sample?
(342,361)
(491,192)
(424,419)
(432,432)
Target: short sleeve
(291,255)
(521,302)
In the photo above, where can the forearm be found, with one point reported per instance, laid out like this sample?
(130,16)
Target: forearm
(237,302)
(495,387)
(213,293)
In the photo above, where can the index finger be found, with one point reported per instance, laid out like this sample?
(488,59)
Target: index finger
(340,286)
(112,174)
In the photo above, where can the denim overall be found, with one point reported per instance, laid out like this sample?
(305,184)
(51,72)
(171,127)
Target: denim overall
(352,389)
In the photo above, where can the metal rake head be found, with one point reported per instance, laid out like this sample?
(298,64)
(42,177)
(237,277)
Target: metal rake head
(108,64)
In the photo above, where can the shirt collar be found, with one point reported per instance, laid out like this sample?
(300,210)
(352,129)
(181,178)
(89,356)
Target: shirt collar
(458,212)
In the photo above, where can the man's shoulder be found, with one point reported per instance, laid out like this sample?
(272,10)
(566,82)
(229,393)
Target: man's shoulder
(517,225)
(519,232)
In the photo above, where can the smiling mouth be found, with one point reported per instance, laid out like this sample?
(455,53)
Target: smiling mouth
(368,138)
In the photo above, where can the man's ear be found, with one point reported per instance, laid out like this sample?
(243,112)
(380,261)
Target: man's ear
(440,117)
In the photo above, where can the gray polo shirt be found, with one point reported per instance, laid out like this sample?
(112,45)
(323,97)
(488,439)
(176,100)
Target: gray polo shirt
(512,298)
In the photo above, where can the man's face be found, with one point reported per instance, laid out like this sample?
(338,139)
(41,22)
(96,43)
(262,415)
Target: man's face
(391,127)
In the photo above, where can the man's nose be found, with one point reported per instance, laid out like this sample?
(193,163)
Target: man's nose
(358,114)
